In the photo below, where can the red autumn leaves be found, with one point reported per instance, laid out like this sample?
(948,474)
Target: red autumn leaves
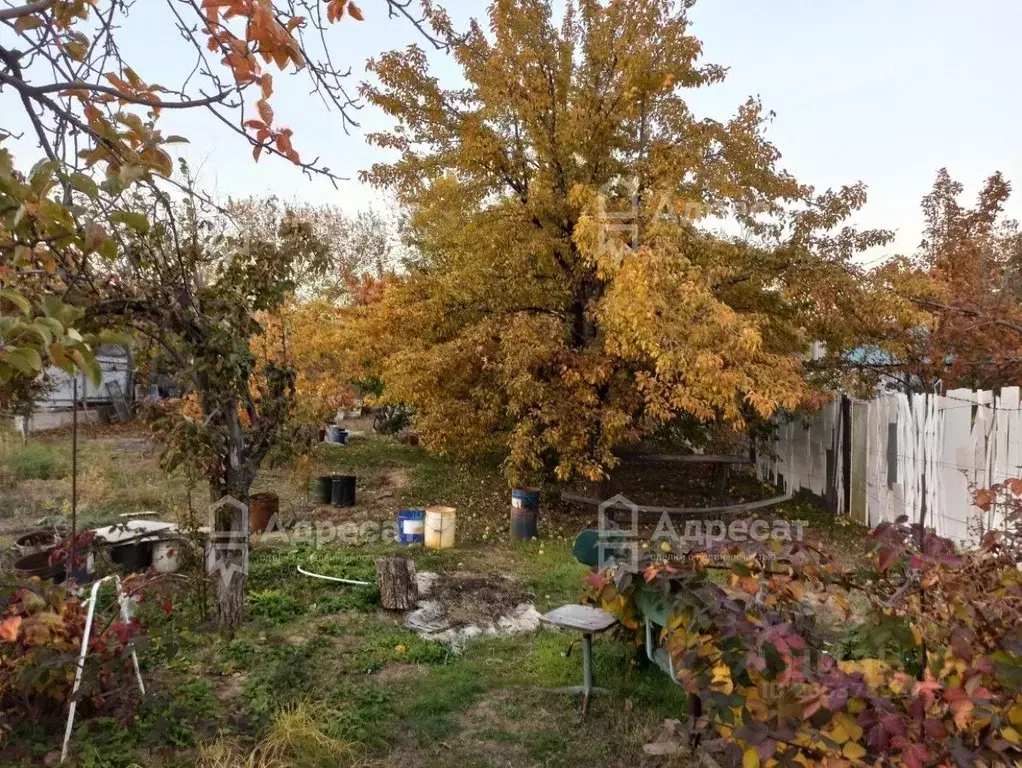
(266,134)
(271,38)
(335,10)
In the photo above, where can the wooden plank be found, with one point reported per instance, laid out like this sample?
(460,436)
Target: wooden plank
(1014,436)
(957,459)
(935,452)
(1012,395)
(650,510)
(1007,443)
(1002,405)
(120,404)
(982,430)
(683,458)
(889,478)
(872,462)
(909,464)
(860,462)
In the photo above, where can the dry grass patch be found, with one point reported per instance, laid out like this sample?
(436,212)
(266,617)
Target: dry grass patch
(293,739)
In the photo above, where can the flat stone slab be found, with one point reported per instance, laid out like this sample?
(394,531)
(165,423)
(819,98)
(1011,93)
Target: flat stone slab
(580,618)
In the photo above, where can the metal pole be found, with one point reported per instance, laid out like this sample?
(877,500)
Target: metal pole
(74,475)
(123,600)
(587,670)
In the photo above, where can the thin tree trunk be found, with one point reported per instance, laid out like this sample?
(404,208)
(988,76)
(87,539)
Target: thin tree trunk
(227,564)
(583,329)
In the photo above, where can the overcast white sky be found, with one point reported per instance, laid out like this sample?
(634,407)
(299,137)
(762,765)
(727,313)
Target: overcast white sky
(878,91)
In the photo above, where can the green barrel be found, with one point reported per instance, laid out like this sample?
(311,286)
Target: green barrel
(319,489)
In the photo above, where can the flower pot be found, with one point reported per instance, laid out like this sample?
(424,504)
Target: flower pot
(262,507)
(39,564)
(35,542)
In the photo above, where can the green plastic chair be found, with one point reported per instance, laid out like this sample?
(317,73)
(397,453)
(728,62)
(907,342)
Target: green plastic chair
(586,548)
(652,606)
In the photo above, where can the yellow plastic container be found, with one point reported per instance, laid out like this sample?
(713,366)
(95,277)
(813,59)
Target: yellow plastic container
(440,523)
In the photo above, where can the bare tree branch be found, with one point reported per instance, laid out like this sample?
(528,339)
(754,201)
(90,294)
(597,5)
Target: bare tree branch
(28,9)
(156,103)
(966,311)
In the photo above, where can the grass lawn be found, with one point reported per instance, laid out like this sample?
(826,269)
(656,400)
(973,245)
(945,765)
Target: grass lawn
(320,675)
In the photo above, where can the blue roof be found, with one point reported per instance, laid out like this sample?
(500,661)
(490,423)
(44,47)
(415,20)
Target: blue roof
(869,354)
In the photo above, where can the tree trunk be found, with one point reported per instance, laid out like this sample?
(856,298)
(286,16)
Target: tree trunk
(583,329)
(227,561)
(396,577)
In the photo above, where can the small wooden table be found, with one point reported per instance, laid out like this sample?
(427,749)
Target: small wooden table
(588,621)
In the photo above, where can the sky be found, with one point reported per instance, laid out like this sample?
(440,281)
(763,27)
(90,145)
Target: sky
(876,91)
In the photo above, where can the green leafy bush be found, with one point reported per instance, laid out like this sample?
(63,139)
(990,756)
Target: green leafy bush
(359,712)
(933,678)
(35,461)
(363,599)
(275,607)
(281,675)
(183,720)
(238,656)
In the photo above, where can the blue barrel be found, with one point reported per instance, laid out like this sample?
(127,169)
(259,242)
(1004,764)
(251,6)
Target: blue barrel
(337,435)
(525,498)
(525,524)
(525,513)
(411,526)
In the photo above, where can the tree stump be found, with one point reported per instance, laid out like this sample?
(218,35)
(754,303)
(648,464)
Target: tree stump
(396,578)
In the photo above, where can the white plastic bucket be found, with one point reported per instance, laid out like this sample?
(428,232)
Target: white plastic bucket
(165,556)
(440,524)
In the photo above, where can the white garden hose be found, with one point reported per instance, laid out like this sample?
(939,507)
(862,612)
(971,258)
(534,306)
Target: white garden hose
(334,578)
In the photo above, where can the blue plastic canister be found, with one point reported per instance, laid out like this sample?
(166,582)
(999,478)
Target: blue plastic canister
(411,526)
(525,498)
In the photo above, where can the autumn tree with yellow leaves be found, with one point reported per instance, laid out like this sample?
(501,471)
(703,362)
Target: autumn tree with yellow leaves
(596,260)
(343,261)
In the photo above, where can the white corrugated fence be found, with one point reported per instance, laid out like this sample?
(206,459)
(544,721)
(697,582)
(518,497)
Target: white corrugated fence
(915,455)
